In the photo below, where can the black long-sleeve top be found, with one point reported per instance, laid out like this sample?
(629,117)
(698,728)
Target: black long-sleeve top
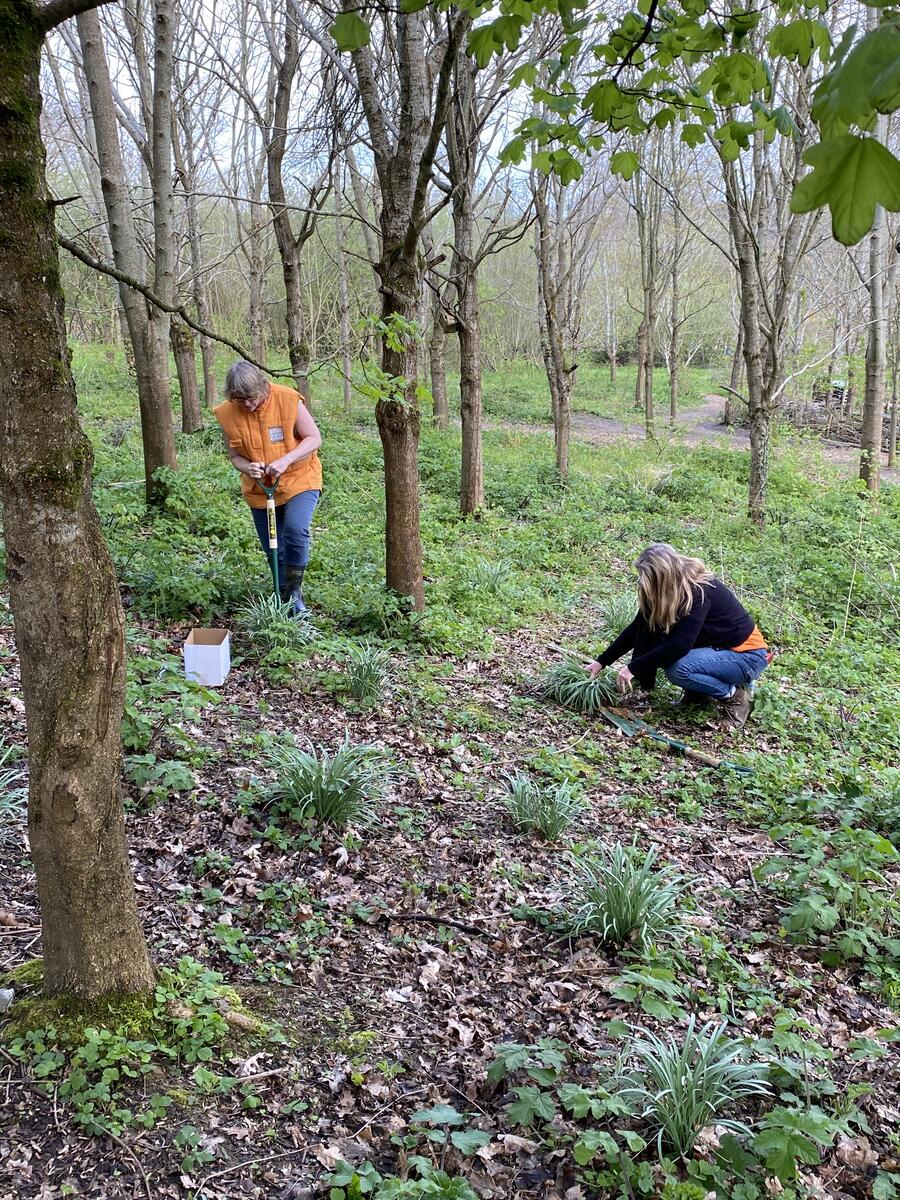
(717,619)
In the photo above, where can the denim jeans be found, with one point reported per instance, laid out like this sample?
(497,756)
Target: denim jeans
(292,521)
(715,672)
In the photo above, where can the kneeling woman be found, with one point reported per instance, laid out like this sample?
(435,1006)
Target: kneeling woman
(269,432)
(693,627)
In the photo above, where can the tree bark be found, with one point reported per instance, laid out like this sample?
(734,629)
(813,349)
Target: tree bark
(872,432)
(641,361)
(737,370)
(398,423)
(675,317)
(288,247)
(182,340)
(63,591)
(757,390)
(150,359)
(559,373)
(462,141)
(343,285)
(437,357)
(892,431)
(404,166)
(162,181)
(186,166)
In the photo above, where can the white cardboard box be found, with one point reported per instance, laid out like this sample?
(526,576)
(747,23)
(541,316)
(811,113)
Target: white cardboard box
(207,656)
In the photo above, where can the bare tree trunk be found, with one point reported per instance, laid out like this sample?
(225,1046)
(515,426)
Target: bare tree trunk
(892,432)
(649,360)
(737,370)
(161,180)
(404,169)
(359,198)
(398,423)
(850,394)
(437,357)
(757,397)
(872,431)
(343,284)
(559,375)
(63,591)
(150,358)
(674,346)
(256,276)
(187,171)
(641,359)
(462,139)
(895,380)
(182,340)
(295,317)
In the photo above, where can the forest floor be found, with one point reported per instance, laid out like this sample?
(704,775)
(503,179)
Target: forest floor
(388,1007)
(393,963)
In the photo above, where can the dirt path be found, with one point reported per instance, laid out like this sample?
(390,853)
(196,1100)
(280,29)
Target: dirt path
(695,426)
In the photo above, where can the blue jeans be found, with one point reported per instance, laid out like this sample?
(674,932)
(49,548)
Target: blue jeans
(292,521)
(715,672)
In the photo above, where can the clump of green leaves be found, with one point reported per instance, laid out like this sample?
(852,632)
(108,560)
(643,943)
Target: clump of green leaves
(569,684)
(427,1182)
(680,1086)
(338,789)
(491,575)
(367,671)
(617,612)
(99,1059)
(835,883)
(270,624)
(621,898)
(13,793)
(544,808)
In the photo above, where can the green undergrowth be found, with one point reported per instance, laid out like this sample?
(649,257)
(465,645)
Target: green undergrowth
(519,392)
(123,1060)
(697,1112)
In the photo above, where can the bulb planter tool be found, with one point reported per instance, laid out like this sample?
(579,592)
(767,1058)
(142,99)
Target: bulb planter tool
(272,525)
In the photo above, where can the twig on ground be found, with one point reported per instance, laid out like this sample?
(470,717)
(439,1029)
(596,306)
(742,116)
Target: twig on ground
(252,1162)
(137,1162)
(384,1108)
(427,920)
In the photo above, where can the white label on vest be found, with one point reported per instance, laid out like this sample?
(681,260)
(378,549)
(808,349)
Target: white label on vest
(276,433)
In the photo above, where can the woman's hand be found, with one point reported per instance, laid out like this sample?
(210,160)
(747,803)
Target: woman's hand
(256,470)
(279,466)
(593,668)
(624,681)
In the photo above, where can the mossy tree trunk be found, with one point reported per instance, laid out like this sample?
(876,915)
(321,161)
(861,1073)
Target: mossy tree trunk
(63,592)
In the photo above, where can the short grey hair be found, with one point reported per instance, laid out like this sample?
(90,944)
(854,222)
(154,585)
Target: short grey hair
(244,381)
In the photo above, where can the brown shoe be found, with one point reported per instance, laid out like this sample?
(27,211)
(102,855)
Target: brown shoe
(736,709)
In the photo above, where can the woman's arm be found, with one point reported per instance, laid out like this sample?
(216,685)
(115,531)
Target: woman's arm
(625,641)
(677,642)
(310,440)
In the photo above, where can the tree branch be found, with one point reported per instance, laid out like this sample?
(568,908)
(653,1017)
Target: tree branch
(178,309)
(53,14)
(635,46)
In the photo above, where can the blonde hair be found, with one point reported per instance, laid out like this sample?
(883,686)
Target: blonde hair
(666,582)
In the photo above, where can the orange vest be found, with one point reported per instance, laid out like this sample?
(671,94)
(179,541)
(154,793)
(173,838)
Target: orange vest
(265,435)
(755,641)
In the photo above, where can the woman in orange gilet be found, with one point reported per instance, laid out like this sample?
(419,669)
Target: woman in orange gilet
(268,431)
